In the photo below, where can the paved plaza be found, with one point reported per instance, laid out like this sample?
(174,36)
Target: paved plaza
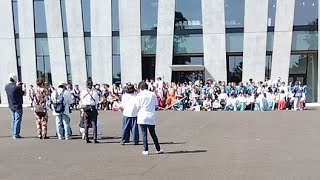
(198,145)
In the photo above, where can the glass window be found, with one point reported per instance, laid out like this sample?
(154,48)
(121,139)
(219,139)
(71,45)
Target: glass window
(298,64)
(304,40)
(87,42)
(39,17)
(312,78)
(115,15)
(149,14)
(234,68)
(270,37)
(268,67)
(86,15)
(116,69)
(306,12)
(15,16)
(43,60)
(272,12)
(115,45)
(64,15)
(148,44)
(187,76)
(148,67)
(188,14)
(18,58)
(186,60)
(234,13)
(183,44)
(234,42)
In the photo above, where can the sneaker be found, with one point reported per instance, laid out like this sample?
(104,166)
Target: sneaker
(145,152)
(68,138)
(160,152)
(60,138)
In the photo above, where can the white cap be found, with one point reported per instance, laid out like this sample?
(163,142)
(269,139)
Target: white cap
(13,76)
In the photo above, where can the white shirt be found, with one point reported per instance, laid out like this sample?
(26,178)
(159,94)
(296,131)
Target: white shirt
(223,96)
(146,103)
(89,97)
(231,101)
(67,100)
(241,99)
(128,105)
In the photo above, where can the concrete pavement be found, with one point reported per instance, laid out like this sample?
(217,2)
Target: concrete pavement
(198,145)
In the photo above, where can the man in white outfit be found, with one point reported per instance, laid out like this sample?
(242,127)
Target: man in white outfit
(146,104)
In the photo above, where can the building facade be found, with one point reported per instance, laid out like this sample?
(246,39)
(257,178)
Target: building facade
(130,40)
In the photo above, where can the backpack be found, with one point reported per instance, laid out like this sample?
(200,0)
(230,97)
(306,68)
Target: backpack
(58,105)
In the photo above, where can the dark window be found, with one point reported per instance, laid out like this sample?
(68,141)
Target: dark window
(148,44)
(17,41)
(149,14)
(87,42)
(86,15)
(272,12)
(306,12)
(15,16)
(39,17)
(234,68)
(116,66)
(148,67)
(188,14)
(43,60)
(268,66)
(304,68)
(115,15)
(187,60)
(64,15)
(234,13)
(187,76)
(116,69)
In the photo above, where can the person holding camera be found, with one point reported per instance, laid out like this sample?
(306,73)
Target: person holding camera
(15,92)
(89,100)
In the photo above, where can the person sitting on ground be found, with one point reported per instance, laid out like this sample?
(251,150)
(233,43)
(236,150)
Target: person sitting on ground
(216,105)
(231,104)
(241,101)
(195,103)
(207,104)
(116,104)
(178,104)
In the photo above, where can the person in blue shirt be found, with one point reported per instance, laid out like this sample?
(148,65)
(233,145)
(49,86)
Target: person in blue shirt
(15,92)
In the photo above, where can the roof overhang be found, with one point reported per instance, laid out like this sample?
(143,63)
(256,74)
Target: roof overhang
(187,67)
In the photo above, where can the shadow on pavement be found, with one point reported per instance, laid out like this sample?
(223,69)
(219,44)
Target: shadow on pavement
(186,152)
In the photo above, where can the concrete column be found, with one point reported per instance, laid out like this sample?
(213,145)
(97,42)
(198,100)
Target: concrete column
(214,39)
(165,32)
(76,42)
(7,47)
(27,42)
(101,41)
(255,40)
(55,41)
(282,40)
(130,40)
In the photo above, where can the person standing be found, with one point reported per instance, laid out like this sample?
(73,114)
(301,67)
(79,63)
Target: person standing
(89,100)
(40,109)
(62,99)
(146,103)
(15,92)
(129,121)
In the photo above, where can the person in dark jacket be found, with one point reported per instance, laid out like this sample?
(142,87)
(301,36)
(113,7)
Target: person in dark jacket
(15,92)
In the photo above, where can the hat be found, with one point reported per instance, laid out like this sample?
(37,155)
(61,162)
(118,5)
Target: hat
(13,76)
(62,84)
